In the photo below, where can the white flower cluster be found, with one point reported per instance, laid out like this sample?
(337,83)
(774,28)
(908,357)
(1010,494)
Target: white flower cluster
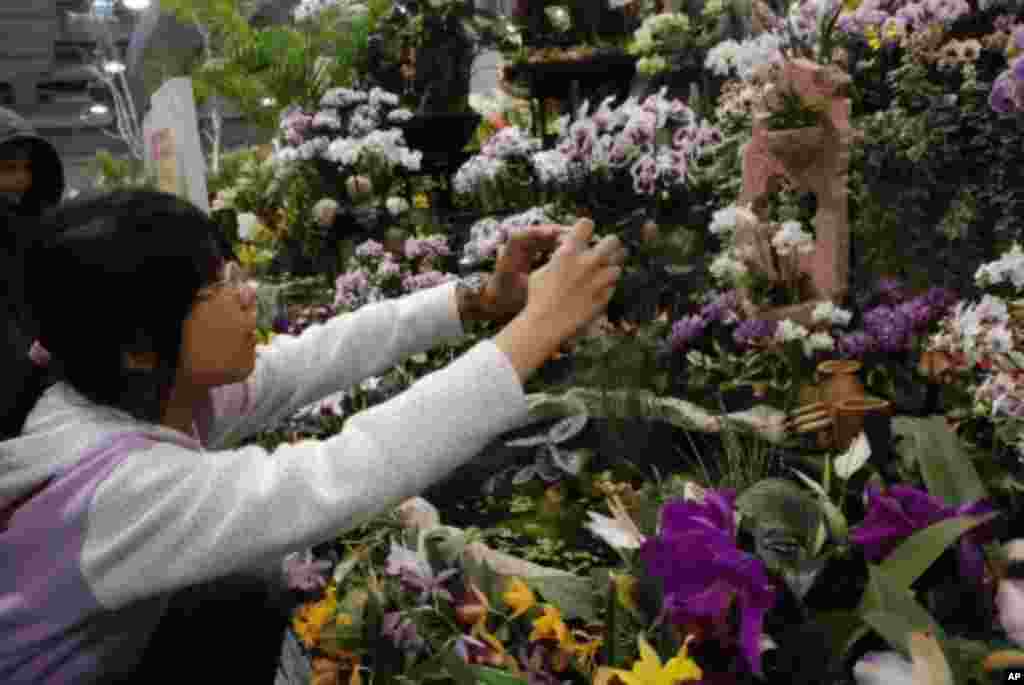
(628,137)
(347,131)
(310,10)
(508,144)
(790,238)
(723,221)
(727,268)
(789,331)
(829,314)
(730,57)
(659,29)
(1009,268)
(488,235)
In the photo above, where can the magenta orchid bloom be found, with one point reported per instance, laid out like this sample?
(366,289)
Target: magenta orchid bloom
(704,571)
(901,511)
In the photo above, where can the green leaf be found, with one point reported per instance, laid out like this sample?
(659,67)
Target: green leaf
(945,465)
(573,595)
(844,629)
(913,557)
(460,672)
(493,676)
(965,659)
(893,612)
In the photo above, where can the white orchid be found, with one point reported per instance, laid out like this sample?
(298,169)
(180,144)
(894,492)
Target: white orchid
(248,226)
(620,531)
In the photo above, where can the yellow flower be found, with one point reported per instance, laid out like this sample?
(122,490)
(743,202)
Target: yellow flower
(519,597)
(851,5)
(585,648)
(310,620)
(648,669)
(550,626)
(874,39)
(421,201)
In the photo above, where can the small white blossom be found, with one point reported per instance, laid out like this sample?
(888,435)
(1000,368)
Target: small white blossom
(790,331)
(396,206)
(828,313)
(791,237)
(248,225)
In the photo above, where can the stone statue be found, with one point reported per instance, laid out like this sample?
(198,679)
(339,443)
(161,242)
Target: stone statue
(814,159)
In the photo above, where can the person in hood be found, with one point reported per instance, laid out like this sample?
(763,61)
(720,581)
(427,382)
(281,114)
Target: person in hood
(31,172)
(120,488)
(31,181)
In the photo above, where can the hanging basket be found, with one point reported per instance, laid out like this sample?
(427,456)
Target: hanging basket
(797,148)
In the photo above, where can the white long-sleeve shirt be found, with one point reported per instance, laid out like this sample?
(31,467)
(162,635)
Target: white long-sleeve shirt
(122,512)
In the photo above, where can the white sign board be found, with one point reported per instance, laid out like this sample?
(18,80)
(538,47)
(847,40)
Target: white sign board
(174,152)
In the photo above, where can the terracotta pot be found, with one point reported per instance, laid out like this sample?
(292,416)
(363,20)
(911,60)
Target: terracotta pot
(839,381)
(796,148)
(814,418)
(853,416)
(935,365)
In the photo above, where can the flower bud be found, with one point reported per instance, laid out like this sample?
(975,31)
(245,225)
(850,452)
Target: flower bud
(325,212)
(359,188)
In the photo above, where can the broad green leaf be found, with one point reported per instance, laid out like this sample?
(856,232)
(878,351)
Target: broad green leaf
(492,676)
(460,672)
(893,611)
(907,562)
(965,658)
(945,465)
(573,595)
(843,628)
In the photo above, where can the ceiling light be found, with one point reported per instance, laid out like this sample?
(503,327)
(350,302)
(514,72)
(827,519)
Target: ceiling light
(99,109)
(114,67)
(136,5)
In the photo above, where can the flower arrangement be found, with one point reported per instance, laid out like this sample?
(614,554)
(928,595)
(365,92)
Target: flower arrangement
(883,22)
(350,134)
(375,273)
(646,146)
(719,347)
(760,258)
(979,342)
(658,38)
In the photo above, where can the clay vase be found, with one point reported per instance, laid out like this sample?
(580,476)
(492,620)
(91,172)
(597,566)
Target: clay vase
(796,148)
(839,381)
(866,414)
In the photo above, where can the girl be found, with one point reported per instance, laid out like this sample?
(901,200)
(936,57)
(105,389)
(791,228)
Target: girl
(115,495)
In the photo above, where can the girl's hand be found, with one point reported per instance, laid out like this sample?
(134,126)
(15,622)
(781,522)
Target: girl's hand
(506,291)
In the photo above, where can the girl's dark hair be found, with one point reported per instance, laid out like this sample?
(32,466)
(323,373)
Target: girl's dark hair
(116,274)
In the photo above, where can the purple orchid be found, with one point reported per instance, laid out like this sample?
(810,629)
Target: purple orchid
(722,309)
(703,571)
(898,513)
(754,330)
(686,330)
(416,573)
(401,631)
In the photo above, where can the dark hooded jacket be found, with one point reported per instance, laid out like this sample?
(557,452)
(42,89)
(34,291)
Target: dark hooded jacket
(17,230)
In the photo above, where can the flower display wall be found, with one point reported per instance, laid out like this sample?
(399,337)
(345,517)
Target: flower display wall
(728,550)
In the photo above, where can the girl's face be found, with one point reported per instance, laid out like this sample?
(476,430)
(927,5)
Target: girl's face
(219,337)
